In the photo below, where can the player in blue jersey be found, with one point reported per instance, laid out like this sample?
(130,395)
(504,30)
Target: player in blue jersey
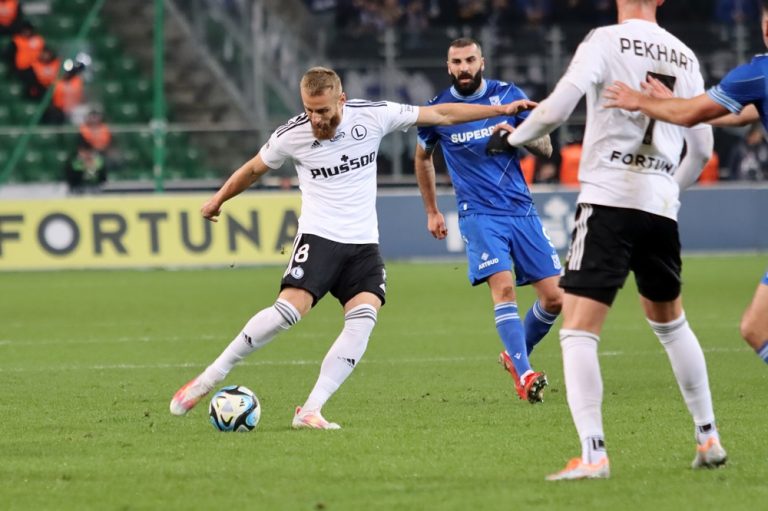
(740,98)
(497,217)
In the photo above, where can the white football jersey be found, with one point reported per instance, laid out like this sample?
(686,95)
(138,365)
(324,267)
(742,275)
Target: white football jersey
(337,177)
(628,159)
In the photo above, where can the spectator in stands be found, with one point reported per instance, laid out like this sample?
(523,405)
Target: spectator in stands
(536,12)
(503,15)
(735,12)
(573,11)
(94,133)
(86,171)
(67,94)
(43,73)
(604,12)
(472,13)
(10,17)
(25,48)
(749,160)
(391,13)
(570,158)
(415,22)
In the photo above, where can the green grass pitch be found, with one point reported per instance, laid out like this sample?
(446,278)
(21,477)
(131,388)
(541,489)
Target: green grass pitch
(89,361)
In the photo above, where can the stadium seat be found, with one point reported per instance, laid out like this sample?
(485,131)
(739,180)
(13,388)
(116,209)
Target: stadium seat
(67,141)
(125,112)
(112,91)
(139,90)
(11,92)
(23,112)
(131,158)
(59,27)
(5,115)
(43,142)
(56,158)
(31,166)
(8,142)
(125,68)
(141,141)
(106,47)
(76,8)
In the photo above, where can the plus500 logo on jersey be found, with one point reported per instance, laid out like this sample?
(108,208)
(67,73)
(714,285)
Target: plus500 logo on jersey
(346,165)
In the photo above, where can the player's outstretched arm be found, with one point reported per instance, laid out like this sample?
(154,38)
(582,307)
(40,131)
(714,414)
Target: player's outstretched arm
(684,112)
(446,114)
(747,116)
(551,113)
(425,177)
(240,180)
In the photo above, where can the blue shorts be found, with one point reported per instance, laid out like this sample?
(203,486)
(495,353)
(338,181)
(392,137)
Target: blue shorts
(508,243)
(765,279)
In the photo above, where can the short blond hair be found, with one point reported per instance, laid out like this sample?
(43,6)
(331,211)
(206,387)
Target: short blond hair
(319,79)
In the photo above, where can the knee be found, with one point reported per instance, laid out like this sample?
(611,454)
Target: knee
(504,294)
(747,328)
(552,302)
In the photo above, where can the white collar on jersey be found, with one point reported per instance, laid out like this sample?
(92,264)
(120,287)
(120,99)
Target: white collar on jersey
(478,93)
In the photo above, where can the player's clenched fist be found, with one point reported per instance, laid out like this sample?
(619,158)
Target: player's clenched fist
(211,210)
(498,143)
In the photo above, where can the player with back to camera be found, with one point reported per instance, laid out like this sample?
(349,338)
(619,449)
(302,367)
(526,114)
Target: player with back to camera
(497,217)
(739,99)
(333,145)
(626,220)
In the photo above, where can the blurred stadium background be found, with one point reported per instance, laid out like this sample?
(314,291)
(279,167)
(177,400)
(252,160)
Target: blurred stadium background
(188,90)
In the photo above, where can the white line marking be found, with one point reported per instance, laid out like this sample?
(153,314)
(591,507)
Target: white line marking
(390,361)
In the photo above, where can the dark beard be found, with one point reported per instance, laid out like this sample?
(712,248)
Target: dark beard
(471,87)
(329,130)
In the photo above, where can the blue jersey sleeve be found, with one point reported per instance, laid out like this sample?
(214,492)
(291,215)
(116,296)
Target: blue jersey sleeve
(427,136)
(742,86)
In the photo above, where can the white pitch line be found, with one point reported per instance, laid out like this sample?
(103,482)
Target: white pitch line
(256,363)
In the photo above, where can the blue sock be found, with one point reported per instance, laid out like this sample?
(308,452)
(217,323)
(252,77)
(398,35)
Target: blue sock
(762,352)
(512,335)
(537,324)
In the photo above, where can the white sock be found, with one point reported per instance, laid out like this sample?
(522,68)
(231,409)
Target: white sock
(690,368)
(343,355)
(584,390)
(259,330)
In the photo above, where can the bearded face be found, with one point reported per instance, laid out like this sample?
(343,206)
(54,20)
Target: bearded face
(466,83)
(465,67)
(324,111)
(325,129)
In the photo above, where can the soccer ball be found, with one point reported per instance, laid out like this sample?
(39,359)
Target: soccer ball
(234,408)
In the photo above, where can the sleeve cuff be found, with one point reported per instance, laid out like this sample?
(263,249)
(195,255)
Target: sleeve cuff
(718,96)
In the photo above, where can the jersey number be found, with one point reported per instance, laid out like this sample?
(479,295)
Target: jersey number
(669,82)
(302,254)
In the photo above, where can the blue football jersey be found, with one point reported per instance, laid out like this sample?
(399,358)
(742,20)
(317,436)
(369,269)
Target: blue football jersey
(491,185)
(744,85)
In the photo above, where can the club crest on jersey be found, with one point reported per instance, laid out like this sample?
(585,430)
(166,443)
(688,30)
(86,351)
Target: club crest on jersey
(297,272)
(345,166)
(359,132)
(495,101)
